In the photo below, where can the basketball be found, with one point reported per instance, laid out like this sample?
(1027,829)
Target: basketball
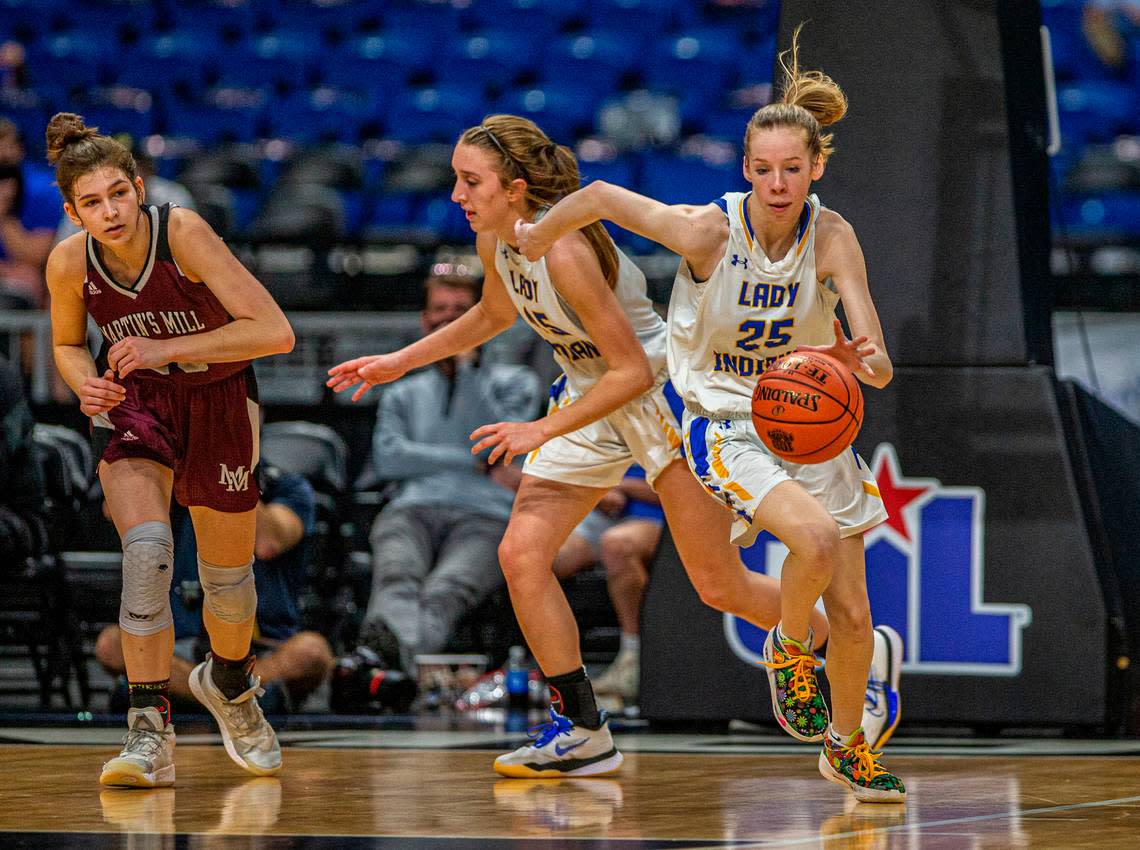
(807,408)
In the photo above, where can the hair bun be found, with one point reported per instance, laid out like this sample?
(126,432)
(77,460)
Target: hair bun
(66,128)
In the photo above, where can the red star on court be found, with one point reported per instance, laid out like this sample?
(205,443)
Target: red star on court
(896,495)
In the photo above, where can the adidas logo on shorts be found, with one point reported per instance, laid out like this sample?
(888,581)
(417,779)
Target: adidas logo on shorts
(127,435)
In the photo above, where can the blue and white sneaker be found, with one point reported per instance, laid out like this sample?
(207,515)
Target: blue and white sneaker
(882,707)
(559,748)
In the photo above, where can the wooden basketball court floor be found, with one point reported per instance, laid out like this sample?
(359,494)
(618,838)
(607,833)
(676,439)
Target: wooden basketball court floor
(436,790)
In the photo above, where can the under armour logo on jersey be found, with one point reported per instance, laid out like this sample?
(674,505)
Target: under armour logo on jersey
(127,435)
(92,289)
(506,253)
(237,479)
(737,260)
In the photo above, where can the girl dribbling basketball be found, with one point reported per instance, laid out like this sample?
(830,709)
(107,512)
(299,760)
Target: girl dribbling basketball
(761,275)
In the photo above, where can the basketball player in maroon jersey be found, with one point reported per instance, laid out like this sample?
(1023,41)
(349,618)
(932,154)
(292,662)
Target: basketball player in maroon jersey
(173,407)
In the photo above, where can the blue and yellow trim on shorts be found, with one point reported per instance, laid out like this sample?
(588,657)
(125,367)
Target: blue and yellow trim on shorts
(734,496)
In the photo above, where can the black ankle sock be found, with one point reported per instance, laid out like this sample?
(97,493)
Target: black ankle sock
(152,695)
(231,677)
(572,696)
(821,650)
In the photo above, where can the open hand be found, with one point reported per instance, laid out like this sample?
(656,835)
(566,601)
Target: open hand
(508,439)
(367,371)
(850,352)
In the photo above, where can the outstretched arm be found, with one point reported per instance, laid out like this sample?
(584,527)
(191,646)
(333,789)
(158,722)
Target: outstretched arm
(697,233)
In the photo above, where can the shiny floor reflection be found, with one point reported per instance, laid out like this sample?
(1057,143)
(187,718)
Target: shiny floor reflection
(436,798)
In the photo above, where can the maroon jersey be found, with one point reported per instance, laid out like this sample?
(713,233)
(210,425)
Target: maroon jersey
(162,303)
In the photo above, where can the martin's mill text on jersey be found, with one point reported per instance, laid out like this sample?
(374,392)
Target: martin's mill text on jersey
(160,304)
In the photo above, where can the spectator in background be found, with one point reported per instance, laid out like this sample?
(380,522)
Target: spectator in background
(291,663)
(29,212)
(13,70)
(622,533)
(159,190)
(1111,28)
(435,544)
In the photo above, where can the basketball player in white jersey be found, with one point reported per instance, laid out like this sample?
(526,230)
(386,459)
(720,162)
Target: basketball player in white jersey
(760,276)
(609,410)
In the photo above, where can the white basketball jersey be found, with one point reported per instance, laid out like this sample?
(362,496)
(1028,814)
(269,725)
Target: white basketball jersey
(725,331)
(539,303)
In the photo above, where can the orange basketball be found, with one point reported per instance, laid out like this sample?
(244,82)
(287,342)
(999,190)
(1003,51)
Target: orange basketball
(807,408)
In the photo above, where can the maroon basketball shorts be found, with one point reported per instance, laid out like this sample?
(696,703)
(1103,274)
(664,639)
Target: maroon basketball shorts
(207,434)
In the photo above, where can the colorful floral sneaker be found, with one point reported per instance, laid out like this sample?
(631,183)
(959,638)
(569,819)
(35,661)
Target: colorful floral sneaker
(796,700)
(559,748)
(857,767)
(882,705)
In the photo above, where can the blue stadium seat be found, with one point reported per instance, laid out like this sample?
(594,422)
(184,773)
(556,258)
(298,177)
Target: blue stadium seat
(650,18)
(211,123)
(102,18)
(30,113)
(67,60)
(177,60)
(1097,110)
(537,21)
(621,171)
(285,59)
(676,180)
(726,124)
(437,113)
(486,57)
(1110,214)
(135,120)
(387,59)
(564,111)
(427,21)
(698,67)
(323,114)
(331,18)
(219,16)
(595,60)
(439,215)
(29,20)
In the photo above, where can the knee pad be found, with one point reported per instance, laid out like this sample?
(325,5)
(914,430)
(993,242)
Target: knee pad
(148,566)
(229,592)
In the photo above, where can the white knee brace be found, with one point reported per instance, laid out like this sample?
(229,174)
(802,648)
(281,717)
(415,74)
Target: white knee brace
(148,566)
(229,591)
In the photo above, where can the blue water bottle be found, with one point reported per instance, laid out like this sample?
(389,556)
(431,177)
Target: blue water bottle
(518,680)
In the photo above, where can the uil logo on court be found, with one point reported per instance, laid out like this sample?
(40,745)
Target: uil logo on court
(925,579)
(237,479)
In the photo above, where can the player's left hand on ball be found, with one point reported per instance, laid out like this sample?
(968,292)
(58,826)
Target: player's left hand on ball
(132,352)
(850,352)
(507,440)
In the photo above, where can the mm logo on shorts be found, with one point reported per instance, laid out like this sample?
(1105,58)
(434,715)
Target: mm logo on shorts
(237,479)
(925,579)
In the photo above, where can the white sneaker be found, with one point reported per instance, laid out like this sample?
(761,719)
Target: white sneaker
(249,739)
(559,748)
(147,759)
(621,679)
(882,706)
